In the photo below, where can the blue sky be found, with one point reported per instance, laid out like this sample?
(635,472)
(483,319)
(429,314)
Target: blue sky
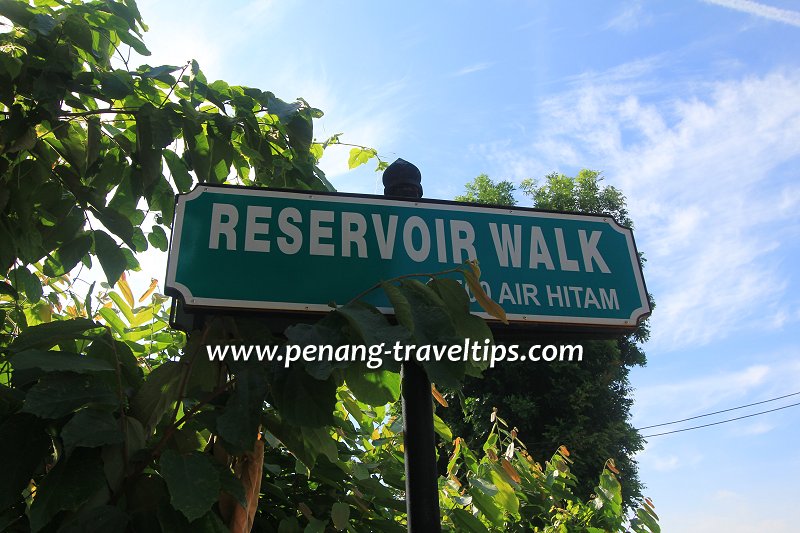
(691,107)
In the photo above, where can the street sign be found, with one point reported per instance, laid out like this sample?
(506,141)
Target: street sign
(271,250)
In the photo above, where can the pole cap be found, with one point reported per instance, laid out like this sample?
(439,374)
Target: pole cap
(402,178)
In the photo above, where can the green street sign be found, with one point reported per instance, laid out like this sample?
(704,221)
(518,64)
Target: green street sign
(270,250)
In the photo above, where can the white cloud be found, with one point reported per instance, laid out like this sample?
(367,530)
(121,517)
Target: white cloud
(696,396)
(631,18)
(761,10)
(705,168)
(756,428)
(775,377)
(470,69)
(731,512)
(666,463)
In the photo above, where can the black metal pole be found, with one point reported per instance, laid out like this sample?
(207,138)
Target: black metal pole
(403,179)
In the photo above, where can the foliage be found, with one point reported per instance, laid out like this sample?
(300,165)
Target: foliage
(506,490)
(110,420)
(586,404)
(582,193)
(485,191)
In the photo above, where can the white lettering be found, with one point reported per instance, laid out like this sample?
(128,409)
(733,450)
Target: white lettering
(385,238)
(590,252)
(505,294)
(355,236)
(529,291)
(539,251)
(609,299)
(591,299)
(319,232)
(253,228)
(462,235)
(507,246)
(441,248)
(290,230)
(415,254)
(227,228)
(567,264)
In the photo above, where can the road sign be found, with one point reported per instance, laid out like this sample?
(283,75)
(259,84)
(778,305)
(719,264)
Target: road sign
(264,249)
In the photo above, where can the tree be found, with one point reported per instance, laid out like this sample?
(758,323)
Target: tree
(110,420)
(584,404)
(485,191)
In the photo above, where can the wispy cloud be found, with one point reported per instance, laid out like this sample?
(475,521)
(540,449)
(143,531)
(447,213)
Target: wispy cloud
(761,10)
(709,184)
(697,395)
(630,19)
(470,69)
(756,428)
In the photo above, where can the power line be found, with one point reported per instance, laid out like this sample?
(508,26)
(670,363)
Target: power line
(718,412)
(721,421)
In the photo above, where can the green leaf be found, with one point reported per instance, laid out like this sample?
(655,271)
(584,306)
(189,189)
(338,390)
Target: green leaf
(465,521)
(156,72)
(359,156)
(432,323)
(8,248)
(456,300)
(119,221)
(442,429)
(134,42)
(472,276)
(648,520)
(27,282)
(192,480)
(43,24)
(316,526)
(90,428)
(101,519)
(340,515)
(68,255)
(6,288)
(116,85)
(283,110)
(318,441)
(238,423)
(483,499)
(505,497)
(303,400)
(373,387)
(113,353)
(23,446)
(47,335)
(69,485)
(328,331)
(180,173)
(59,393)
(157,394)
(158,238)
(54,361)
(93,140)
(289,525)
(371,325)
(113,320)
(289,437)
(122,305)
(110,255)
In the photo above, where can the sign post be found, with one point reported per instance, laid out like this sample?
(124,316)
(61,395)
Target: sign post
(301,251)
(403,179)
